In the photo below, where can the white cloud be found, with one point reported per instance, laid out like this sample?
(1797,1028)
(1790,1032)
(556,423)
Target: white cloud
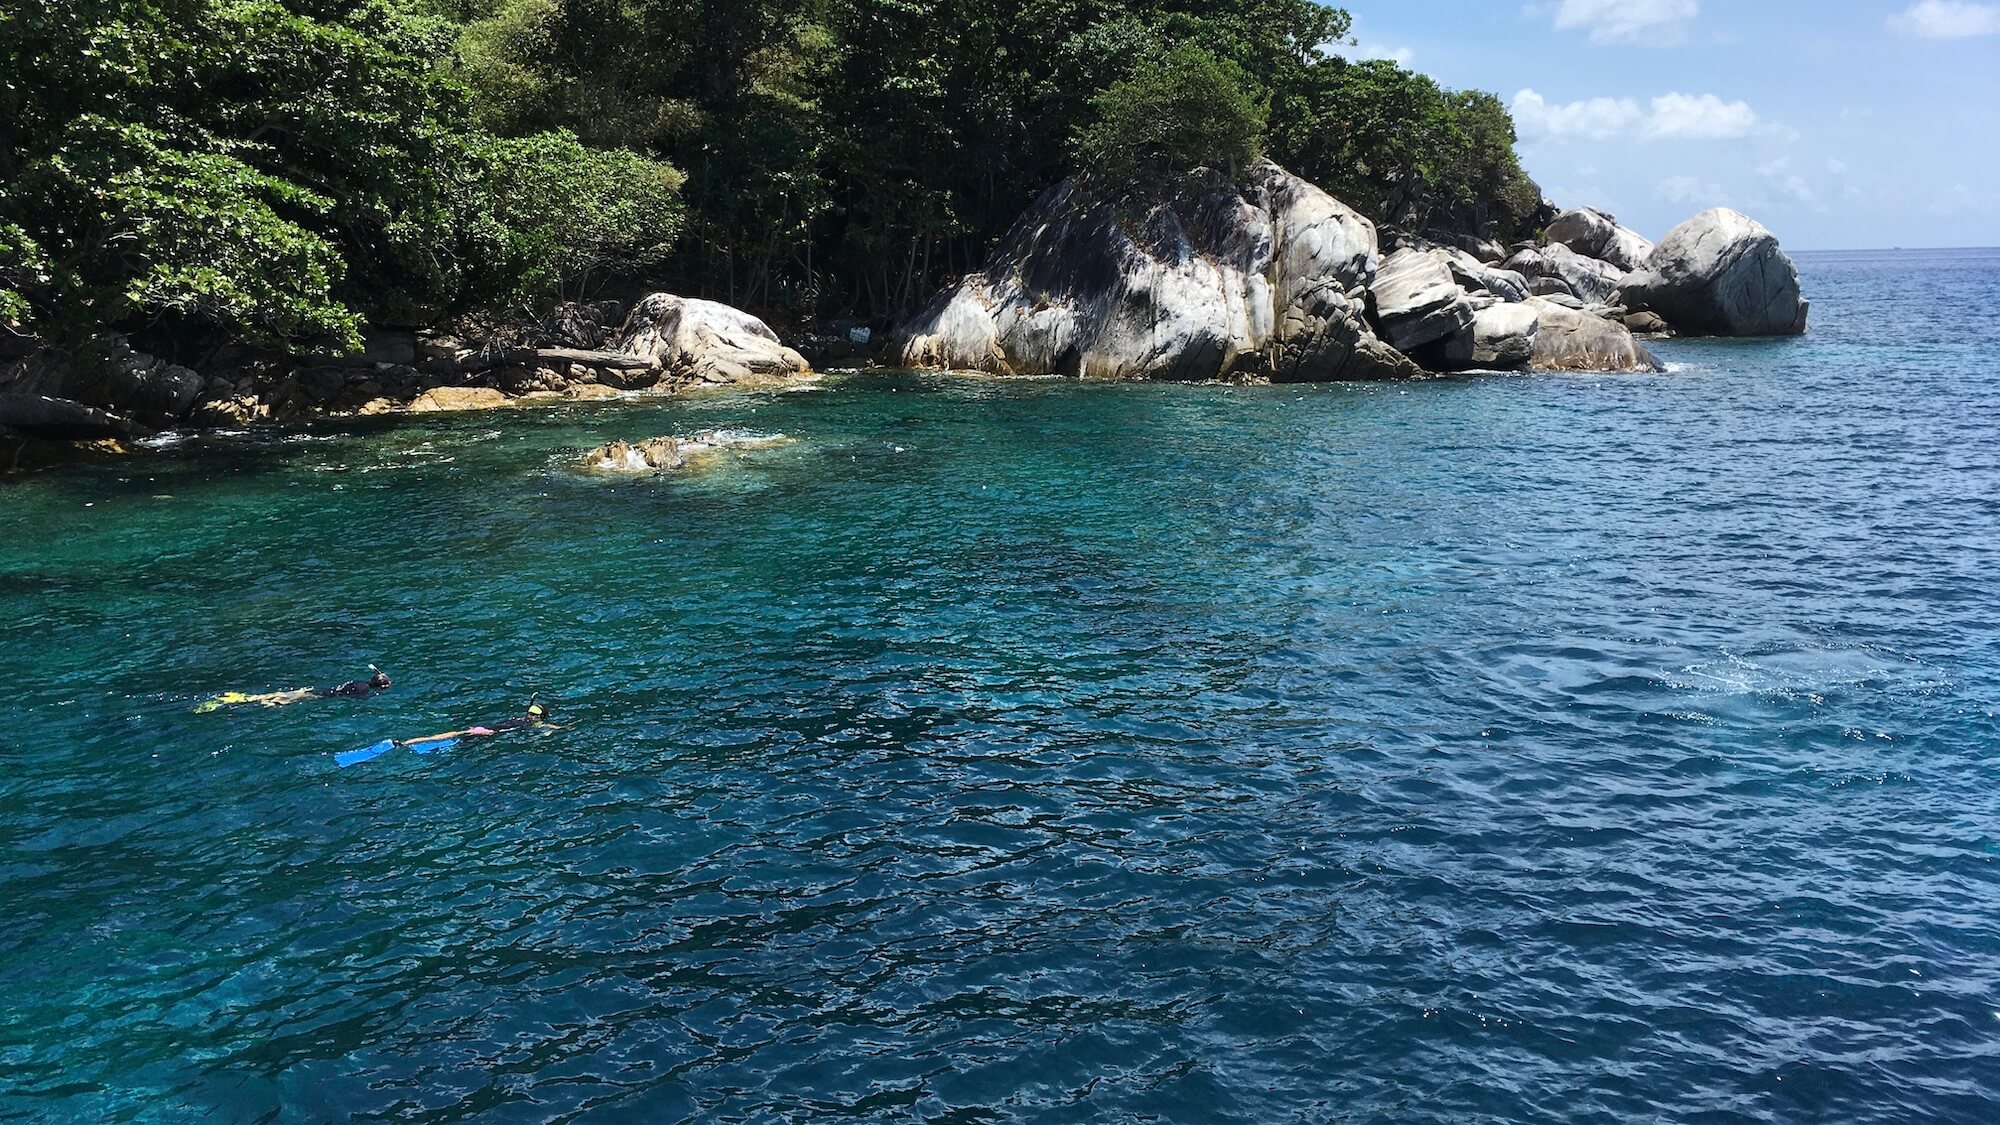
(1704,118)
(1837,167)
(1693,191)
(1596,119)
(1628,21)
(1670,117)
(1948,19)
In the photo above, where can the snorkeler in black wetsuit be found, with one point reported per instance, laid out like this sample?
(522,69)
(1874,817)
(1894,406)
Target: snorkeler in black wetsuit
(377,680)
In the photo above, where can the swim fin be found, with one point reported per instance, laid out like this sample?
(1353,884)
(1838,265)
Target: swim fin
(433,747)
(365,754)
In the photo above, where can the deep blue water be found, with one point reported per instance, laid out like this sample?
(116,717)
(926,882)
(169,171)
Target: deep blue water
(1592,749)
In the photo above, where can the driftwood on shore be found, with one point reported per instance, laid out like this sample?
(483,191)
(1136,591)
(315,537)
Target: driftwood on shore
(486,359)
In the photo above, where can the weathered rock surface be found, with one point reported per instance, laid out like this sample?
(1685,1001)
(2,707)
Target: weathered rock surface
(55,419)
(1720,274)
(443,399)
(1595,234)
(1504,336)
(1590,279)
(1417,301)
(706,342)
(1474,275)
(1266,278)
(1570,340)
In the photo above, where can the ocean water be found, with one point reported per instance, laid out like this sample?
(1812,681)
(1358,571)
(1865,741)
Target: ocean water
(1494,749)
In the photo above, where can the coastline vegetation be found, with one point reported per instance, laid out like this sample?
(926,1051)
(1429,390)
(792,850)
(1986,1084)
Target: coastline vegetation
(286,173)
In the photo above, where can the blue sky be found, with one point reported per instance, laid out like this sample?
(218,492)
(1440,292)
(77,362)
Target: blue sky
(1839,125)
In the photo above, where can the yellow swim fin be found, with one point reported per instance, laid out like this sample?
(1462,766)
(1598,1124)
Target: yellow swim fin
(226,699)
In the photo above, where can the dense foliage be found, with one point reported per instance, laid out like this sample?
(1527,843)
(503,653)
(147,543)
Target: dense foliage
(281,172)
(288,170)
(850,155)
(1185,109)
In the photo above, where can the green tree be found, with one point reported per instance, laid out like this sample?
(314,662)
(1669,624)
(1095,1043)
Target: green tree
(1179,110)
(279,171)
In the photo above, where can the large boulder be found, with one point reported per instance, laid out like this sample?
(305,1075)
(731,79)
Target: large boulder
(1570,340)
(1720,274)
(1504,336)
(1566,271)
(706,342)
(1266,277)
(1596,234)
(56,419)
(1417,300)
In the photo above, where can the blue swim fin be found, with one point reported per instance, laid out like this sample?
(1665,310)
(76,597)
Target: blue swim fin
(365,754)
(433,747)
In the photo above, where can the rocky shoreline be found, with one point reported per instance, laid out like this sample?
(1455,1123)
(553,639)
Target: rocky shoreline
(1270,278)
(1258,278)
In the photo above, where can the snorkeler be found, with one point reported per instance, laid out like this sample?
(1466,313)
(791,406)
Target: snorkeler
(377,680)
(536,717)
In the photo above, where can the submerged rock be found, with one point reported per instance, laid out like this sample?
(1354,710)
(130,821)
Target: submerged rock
(1720,274)
(1263,278)
(667,453)
(706,342)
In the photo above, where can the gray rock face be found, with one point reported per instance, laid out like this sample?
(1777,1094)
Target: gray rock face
(1569,340)
(1473,274)
(1263,278)
(1720,274)
(57,419)
(707,342)
(1595,234)
(1504,336)
(1417,301)
(1588,278)
(1593,280)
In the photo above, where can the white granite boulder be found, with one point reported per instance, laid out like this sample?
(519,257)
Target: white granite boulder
(1261,277)
(1720,274)
(707,342)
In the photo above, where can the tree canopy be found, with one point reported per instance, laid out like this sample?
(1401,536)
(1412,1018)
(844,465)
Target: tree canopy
(290,170)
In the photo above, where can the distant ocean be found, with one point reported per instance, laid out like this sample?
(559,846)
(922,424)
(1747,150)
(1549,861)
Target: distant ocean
(1540,748)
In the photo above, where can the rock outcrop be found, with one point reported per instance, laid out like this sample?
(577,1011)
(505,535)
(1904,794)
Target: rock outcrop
(1720,274)
(1575,340)
(45,418)
(447,399)
(1267,278)
(1417,301)
(1504,336)
(705,342)
(1595,234)
(1567,271)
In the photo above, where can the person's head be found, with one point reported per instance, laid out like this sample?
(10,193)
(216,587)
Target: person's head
(537,712)
(377,678)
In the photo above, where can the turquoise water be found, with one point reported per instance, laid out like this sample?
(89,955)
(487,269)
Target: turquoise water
(1594,749)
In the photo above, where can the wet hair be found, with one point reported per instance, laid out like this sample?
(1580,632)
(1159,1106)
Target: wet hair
(380,679)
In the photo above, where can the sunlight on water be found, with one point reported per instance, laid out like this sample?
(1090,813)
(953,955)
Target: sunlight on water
(1580,748)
